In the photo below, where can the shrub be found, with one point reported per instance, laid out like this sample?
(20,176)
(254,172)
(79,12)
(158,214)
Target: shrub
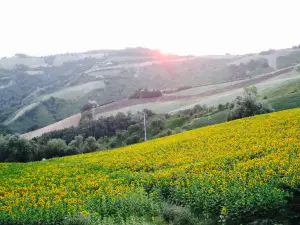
(248,105)
(132,140)
(76,145)
(16,149)
(177,130)
(90,145)
(178,215)
(55,148)
(77,220)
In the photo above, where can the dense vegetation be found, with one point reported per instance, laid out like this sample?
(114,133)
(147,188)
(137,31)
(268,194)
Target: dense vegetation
(242,172)
(248,105)
(122,130)
(145,93)
(45,113)
(19,88)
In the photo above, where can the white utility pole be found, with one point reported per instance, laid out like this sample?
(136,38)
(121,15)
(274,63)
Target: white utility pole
(208,116)
(145,129)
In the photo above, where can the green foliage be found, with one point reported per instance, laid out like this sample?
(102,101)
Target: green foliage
(248,105)
(77,220)
(96,128)
(16,149)
(55,148)
(288,101)
(286,88)
(174,122)
(145,93)
(178,215)
(45,113)
(132,139)
(252,68)
(155,126)
(76,145)
(86,116)
(91,145)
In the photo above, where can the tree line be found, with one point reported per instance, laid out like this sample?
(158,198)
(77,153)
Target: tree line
(121,130)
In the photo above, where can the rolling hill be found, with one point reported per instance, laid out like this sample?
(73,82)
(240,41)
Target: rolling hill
(104,76)
(242,171)
(210,95)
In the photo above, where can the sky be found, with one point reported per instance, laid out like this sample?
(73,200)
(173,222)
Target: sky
(198,27)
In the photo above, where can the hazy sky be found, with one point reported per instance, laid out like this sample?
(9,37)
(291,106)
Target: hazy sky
(40,27)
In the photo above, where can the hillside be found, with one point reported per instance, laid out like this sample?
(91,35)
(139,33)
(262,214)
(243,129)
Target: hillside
(44,113)
(209,95)
(103,76)
(240,172)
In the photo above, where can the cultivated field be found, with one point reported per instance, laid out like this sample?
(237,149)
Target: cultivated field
(211,95)
(68,122)
(234,171)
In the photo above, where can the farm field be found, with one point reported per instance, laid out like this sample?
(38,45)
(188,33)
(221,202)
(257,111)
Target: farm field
(200,95)
(215,118)
(286,87)
(288,101)
(234,173)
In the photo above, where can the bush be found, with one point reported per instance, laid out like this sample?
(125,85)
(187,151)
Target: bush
(248,105)
(132,140)
(90,145)
(77,220)
(178,215)
(134,128)
(76,146)
(16,149)
(55,148)
(145,93)
(177,130)
(165,133)
(86,116)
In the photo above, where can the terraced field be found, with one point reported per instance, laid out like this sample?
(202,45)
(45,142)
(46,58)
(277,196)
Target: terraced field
(233,171)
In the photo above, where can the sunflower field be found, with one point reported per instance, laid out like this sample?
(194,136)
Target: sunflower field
(233,172)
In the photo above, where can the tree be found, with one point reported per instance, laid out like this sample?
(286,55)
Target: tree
(248,105)
(55,148)
(86,116)
(134,128)
(251,90)
(148,113)
(221,107)
(155,126)
(76,146)
(4,152)
(90,145)
(16,149)
(87,107)
(132,140)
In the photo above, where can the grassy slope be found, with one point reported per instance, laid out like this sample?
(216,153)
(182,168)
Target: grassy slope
(237,166)
(45,113)
(288,60)
(287,87)
(284,96)
(215,118)
(288,101)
